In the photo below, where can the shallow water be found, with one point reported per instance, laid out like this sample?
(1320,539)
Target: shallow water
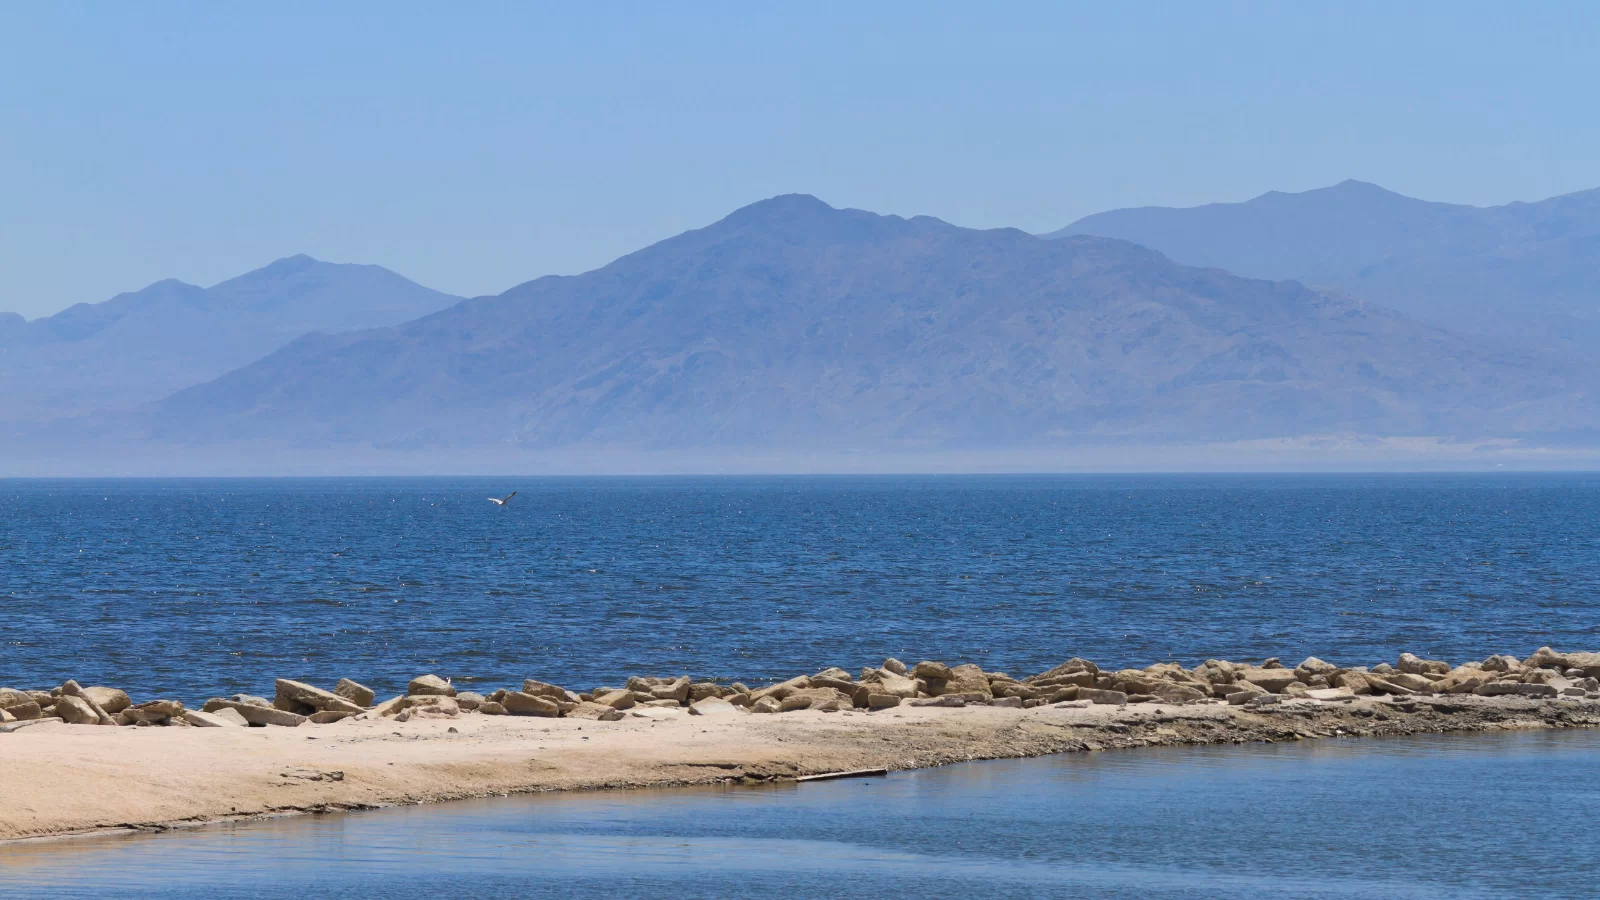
(197,588)
(1480,816)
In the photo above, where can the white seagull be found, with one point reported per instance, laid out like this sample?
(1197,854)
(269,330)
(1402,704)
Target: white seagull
(502,501)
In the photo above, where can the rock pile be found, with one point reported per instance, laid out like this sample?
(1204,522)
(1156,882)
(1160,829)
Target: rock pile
(1545,674)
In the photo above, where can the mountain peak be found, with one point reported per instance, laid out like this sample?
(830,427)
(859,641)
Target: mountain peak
(784,208)
(1350,190)
(296,263)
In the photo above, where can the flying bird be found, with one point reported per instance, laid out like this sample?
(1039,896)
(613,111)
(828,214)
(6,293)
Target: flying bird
(502,501)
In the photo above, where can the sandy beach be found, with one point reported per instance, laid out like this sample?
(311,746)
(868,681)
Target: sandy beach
(82,779)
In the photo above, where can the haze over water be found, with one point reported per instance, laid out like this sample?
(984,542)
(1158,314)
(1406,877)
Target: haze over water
(197,588)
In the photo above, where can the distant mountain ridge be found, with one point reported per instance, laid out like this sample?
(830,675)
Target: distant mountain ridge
(791,323)
(1529,270)
(141,346)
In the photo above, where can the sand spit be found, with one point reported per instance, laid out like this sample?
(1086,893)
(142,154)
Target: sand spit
(340,750)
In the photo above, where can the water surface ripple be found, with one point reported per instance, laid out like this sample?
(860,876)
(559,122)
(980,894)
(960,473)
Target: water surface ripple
(193,588)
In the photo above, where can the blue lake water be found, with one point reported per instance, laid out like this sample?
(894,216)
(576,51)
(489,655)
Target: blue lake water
(195,588)
(1482,816)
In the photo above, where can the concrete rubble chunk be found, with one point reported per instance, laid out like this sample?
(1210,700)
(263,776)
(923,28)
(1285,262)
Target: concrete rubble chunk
(543,689)
(1587,663)
(811,698)
(1068,679)
(782,689)
(355,692)
(765,705)
(301,694)
(930,669)
(617,700)
(424,685)
(76,711)
(1330,694)
(227,715)
(492,708)
(950,700)
(1016,690)
(1511,688)
(969,679)
(1417,683)
(22,712)
(109,699)
(883,701)
(1314,666)
(1169,692)
(700,690)
(10,697)
(1546,658)
(676,690)
(1353,681)
(256,715)
(898,685)
(447,705)
(1382,684)
(1272,680)
(714,706)
(1103,697)
(1075,664)
(596,711)
(518,703)
(214,720)
(1007,702)
(71,688)
(895,666)
(156,712)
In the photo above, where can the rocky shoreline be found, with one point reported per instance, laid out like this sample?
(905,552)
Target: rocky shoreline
(1545,674)
(246,756)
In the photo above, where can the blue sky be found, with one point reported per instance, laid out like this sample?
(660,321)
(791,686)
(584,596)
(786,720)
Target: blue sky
(480,147)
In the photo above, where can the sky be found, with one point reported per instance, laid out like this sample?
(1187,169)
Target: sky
(474,146)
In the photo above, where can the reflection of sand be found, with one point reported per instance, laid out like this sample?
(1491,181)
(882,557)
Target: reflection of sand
(62,779)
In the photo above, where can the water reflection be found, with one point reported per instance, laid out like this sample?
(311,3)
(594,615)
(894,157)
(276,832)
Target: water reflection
(1471,816)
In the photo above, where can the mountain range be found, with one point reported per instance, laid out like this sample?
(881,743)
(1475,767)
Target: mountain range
(793,324)
(1529,271)
(142,346)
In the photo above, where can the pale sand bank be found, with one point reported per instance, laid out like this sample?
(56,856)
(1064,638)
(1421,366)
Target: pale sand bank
(74,779)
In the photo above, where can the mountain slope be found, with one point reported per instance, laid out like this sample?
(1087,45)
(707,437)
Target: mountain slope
(793,324)
(141,346)
(1526,269)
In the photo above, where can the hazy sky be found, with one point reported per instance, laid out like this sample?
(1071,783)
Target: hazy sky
(472,151)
